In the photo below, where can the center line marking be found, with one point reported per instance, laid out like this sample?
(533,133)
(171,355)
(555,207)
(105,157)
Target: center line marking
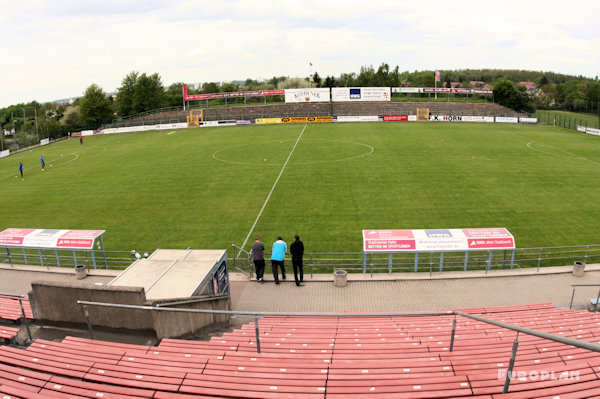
(273,188)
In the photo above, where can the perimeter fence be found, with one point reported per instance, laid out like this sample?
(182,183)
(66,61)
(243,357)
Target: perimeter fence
(568,120)
(91,259)
(430,262)
(327,262)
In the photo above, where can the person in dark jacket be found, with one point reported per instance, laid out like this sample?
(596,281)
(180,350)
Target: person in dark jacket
(297,251)
(258,257)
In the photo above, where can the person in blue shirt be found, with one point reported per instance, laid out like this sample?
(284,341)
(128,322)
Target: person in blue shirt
(43,162)
(277,259)
(21,168)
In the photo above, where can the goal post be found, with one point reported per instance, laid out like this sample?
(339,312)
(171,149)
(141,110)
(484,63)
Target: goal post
(194,118)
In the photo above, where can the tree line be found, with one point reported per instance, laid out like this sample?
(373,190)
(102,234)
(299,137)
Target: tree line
(141,92)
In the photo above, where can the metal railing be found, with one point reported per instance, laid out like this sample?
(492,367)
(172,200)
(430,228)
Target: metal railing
(70,258)
(361,262)
(595,308)
(256,315)
(23,315)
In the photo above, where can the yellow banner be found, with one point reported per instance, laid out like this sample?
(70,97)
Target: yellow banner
(307,119)
(263,121)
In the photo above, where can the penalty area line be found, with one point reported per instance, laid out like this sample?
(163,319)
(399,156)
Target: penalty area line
(273,188)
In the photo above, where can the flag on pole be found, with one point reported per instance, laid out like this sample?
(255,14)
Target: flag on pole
(438,76)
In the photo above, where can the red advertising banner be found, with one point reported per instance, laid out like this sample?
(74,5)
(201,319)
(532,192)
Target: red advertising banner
(14,236)
(253,93)
(395,118)
(49,238)
(438,240)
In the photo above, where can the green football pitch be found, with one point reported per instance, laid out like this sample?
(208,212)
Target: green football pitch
(213,187)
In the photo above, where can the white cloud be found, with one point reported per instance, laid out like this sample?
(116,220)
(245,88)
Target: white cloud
(56,49)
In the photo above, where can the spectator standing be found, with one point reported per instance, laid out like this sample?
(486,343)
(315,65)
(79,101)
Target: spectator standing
(277,259)
(297,251)
(258,257)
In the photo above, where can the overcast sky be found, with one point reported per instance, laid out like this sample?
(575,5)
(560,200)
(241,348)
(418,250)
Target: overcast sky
(56,49)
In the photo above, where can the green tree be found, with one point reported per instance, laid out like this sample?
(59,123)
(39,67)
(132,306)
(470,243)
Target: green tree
(593,92)
(424,79)
(382,76)
(148,93)
(71,119)
(230,87)
(173,96)
(95,107)
(125,94)
(366,76)
(347,79)
(317,79)
(210,87)
(330,82)
(512,96)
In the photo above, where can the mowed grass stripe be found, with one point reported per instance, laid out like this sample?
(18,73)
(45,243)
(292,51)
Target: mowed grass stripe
(150,190)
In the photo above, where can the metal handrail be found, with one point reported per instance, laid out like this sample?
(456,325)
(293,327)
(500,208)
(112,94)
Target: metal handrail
(584,285)
(214,298)
(529,331)
(20,299)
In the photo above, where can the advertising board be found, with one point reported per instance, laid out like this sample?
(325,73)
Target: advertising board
(364,118)
(49,238)
(437,240)
(344,94)
(307,119)
(307,95)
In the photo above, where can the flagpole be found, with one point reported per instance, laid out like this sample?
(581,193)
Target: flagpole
(435,83)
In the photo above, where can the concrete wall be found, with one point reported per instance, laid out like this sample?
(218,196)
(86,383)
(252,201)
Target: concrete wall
(179,324)
(56,303)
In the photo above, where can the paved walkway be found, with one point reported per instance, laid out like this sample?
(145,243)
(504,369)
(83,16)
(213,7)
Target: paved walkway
(380,293)
(413,292)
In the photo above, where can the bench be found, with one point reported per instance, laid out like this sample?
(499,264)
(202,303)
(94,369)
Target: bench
(8,334)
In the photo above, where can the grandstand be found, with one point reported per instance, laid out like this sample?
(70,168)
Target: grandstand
(347,355)
(318,109)
(379,356)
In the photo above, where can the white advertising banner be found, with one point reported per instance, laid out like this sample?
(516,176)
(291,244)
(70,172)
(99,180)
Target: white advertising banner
(528,120)
(437,240)
(143,128)
(412,118)
(87,132)
(307,95)
(365,118)
(446,118)
(473,119)
(506,119)
(44,141)
(342,94)
(407,90)
(4,153)
(588,130)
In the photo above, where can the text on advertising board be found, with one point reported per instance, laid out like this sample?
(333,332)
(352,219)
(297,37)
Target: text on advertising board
(437,240)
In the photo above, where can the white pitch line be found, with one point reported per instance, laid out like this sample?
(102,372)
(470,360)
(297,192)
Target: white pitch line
(273,188)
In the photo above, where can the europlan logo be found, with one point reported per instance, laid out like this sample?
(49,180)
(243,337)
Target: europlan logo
(539,375)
